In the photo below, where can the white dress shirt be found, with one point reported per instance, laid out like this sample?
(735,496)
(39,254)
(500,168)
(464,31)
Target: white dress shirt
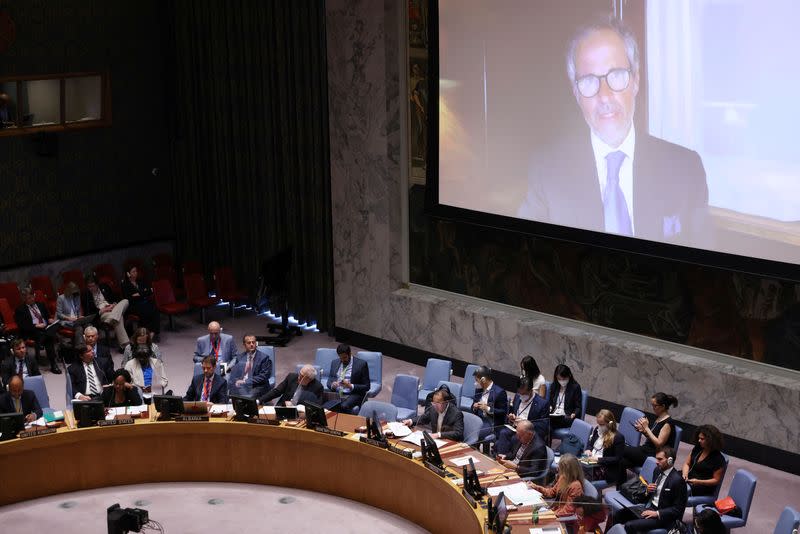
(601,150)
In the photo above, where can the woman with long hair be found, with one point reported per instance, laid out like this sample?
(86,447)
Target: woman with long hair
(565,398)
(530,369)
(566,488)
(605,448)
(705,465)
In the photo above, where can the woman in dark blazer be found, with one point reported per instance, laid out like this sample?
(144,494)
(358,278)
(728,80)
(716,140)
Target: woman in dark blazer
(123,392)
(140,301)
(605,448)
(565,398)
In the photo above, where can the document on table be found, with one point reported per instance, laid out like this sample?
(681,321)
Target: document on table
(416,438)
(464,460)
(217,409)
(398,429)
(518,493)
(546,530)
(125,410)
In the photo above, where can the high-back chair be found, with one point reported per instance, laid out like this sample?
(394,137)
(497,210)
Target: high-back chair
(436,370)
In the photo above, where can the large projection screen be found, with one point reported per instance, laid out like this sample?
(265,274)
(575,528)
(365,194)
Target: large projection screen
(545,123)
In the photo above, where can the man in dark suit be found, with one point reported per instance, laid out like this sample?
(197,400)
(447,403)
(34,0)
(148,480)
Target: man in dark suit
(443,417)
(250,375)
(296,388)
(100,352)
(528,455)
(667,501)
(20,363)
(619,180)
(20,400)
(527,405)
(32,319)
(208,386)
(490,402)
(87,377)
(349,377)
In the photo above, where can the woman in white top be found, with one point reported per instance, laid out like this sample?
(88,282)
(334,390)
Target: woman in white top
(531,370)
(141,338)
(147,371)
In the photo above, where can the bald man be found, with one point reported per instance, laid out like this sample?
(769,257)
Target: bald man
(296,388)
(20,400)
(216,344)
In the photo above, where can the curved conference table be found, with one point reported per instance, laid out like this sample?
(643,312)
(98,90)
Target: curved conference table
(223,451)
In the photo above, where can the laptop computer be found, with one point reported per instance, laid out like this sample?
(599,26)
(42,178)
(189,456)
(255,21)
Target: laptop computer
(636,509)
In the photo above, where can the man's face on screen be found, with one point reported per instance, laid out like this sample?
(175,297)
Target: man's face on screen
(608,113)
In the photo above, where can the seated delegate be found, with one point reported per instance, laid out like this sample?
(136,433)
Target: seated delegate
(20,400)
(296,388)
(567,487)
(490,402)
(122,392)
(526,405)
(705,465)
(208,386)
(528,455)
(443,418)
(657,435)
(605,448)
(349,377)
(146,371)
(565,398)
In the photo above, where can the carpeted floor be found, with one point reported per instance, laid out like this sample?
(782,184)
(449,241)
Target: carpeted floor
(775,489)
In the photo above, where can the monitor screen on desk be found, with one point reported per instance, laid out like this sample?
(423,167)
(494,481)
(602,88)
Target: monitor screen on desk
(430,451)
(315,415)
(168,405)
(245,407)
(88,413)
(501,513)
(374,430)
(11,424)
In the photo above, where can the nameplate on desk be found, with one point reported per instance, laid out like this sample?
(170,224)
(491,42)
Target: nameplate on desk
(113,422)
(331,431)
(373,442)
(191,418)
(469,498)
(402,452)
(270,422)
(36,432)
(436,469)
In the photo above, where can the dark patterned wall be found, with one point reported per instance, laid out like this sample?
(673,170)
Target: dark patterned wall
(96,191)
(727,312)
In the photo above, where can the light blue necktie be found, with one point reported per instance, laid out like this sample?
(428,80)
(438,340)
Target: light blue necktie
(615,209)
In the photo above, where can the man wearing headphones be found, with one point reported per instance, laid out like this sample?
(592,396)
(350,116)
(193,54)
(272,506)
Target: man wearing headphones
(667,497)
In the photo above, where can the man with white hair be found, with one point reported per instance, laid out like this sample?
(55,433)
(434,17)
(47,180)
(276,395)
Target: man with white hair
(101,353)
(216,344)
(296,388)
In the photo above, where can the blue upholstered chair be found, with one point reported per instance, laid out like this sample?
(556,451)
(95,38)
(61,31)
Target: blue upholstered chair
(436,370)
(741,491)
(454,387)
(269,350)
(468,388)
(581,430)
(375,363)
(472,426)
(677,442)
(384,410)
(322,360)
(37,385)
(404,396)
(788,522)
(541,478)
(629,416)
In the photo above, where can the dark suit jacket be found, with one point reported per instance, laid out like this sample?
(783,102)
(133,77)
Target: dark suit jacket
(219,389)
(9,367)
(87,300)
(672,501)
(29,403)
(259,374)
(77,376)
(498,405)
(670,194)
(24,321)
(534,459)
(572,398)
(285,391)
(359,376)
(132,398)
(539,414)
(611,455)
(452,426)
(104,360)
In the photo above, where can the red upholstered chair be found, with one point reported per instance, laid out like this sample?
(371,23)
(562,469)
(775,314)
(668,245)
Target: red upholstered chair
(160,260)
(10,292)
(107,274)
(197,294)
(74,275)
(192,267)
(40,297)
(144,273)
(167,272)
(165,301)
(227,288)
(45,285)
(7,317)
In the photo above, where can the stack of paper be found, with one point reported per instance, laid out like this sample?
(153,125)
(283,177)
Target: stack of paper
(519,494)
(416,438)
(217,409)
(398,429)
